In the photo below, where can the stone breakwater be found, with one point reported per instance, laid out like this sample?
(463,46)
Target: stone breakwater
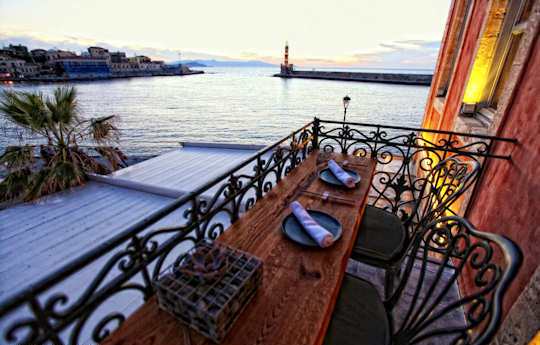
(390,78)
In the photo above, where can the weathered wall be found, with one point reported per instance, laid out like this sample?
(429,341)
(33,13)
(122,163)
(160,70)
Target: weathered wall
(464,62)
(508,200)
(508,197)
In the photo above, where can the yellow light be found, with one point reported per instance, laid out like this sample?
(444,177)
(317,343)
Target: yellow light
(477,80)
(483,60)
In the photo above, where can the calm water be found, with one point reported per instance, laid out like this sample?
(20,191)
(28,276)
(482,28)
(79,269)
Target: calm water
(233,105)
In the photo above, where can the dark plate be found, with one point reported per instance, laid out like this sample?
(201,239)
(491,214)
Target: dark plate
(292,229)
(328,176)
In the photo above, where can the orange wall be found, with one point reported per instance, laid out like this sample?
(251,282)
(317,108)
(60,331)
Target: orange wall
(508,199)
(463,63)
(452,103)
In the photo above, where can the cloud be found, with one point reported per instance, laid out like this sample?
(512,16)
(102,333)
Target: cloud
(78,44)
(412,53)
(400,54)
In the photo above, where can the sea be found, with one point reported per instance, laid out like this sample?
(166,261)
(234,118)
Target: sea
(230,105)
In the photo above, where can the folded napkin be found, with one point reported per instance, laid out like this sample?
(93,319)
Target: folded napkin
(341,174)
(322,236)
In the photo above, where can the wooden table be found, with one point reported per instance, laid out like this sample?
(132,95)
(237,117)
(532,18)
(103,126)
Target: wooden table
(300,285)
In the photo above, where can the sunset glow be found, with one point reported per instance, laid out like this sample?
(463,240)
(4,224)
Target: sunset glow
(320,33)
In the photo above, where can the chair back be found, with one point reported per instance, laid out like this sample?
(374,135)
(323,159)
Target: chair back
(427,303)
(440,188)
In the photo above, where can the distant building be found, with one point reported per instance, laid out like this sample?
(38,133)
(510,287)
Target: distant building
(83,68)
(18,68)
(39,55)
(118,57)
(99,53)
(53,55)
(16,52)
(95,63)
(140,59)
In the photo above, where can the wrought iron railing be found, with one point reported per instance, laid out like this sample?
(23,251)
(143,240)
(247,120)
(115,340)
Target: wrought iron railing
(404,156)
(50,311)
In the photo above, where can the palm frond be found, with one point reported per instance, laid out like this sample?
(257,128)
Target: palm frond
(14,186)
(103,130)
(24,109)
(63,106)
(113,155)
(17,157)
(56,177)
(47,153)
(89,163)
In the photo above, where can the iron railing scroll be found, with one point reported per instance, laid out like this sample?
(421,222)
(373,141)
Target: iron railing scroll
(404,155)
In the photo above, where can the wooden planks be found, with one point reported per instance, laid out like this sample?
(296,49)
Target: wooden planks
(300,285)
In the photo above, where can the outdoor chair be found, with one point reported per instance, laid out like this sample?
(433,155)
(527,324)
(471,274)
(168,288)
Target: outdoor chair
(383,237)
(426,306)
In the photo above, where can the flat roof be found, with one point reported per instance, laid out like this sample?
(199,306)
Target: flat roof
(39,236)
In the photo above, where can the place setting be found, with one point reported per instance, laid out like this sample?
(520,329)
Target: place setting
(314,228)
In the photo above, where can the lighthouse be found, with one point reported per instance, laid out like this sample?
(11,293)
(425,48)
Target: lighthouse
(285,67)
(286,56)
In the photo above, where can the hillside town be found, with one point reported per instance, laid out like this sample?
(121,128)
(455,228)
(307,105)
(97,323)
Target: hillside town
(17,63)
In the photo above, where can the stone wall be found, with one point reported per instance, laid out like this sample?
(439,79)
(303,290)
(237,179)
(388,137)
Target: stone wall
(523,321)
(393,78)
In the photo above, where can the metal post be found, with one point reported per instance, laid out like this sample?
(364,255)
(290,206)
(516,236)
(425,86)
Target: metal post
(315,136)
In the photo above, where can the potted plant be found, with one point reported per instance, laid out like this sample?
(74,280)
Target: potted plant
(70,146)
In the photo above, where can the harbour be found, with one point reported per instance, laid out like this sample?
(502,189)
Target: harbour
(228,105)
(288,71)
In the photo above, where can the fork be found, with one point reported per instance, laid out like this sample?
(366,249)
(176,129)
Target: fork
(325,196)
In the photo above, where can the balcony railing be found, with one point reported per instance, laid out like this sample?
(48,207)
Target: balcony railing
(51,311)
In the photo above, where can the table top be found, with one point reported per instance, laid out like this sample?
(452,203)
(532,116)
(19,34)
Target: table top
(300,285)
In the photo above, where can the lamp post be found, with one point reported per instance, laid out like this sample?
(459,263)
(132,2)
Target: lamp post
(346,101)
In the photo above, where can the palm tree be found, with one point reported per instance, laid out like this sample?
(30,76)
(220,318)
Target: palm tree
(64,160)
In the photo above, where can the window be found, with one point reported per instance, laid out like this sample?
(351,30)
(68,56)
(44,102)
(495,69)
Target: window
(495,55)
(454,44)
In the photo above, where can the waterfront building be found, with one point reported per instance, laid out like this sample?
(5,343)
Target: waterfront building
(83,68)
(55,54)
(140,59)
(96,62)
(118,57)
(99,53)
(17,68)
(39,55)
(17,52)
(119,68)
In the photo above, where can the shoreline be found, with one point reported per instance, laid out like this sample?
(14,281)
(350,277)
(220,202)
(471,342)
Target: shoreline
(112,77)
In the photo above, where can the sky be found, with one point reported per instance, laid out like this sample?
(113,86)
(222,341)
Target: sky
(349,33)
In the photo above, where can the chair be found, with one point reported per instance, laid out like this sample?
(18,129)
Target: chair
(425,307)
(383,237)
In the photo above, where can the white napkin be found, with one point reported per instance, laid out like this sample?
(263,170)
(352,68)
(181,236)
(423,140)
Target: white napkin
(322,236)
(341,174)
